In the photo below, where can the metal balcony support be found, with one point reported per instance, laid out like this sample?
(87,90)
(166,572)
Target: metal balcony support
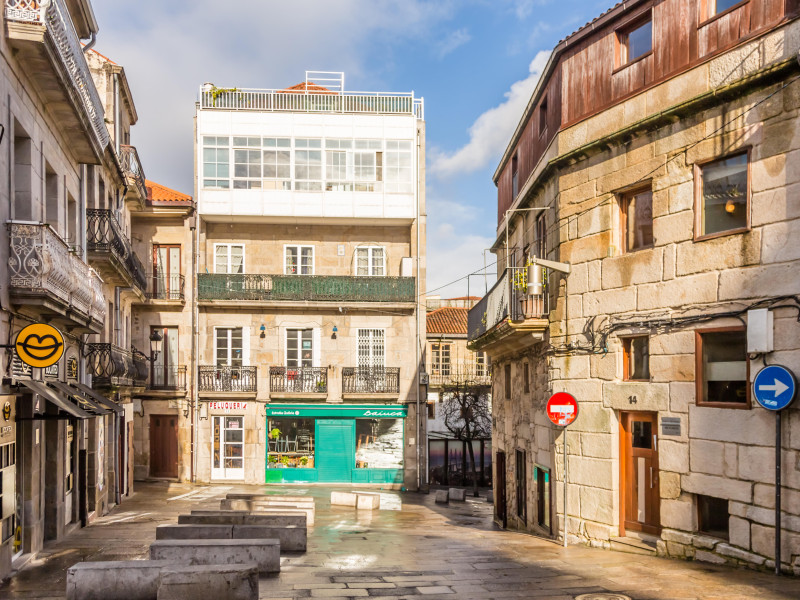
(105,236)
(111,366)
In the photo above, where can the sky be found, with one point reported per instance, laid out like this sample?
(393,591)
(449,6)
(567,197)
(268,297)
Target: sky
(475,63)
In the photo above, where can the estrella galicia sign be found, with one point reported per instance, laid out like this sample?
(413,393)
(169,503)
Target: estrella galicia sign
(39,345)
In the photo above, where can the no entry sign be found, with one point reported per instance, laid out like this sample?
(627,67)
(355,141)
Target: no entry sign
(562,409)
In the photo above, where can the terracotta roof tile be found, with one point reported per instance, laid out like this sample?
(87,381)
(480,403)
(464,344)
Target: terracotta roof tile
(161,193)
(447,320)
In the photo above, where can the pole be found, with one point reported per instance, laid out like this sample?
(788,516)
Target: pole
(777,492)
(565,487)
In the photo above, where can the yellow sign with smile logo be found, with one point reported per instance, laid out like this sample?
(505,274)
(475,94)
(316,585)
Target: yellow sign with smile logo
(39,345)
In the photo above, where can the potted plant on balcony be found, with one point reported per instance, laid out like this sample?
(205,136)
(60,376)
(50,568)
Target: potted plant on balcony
(527,303)
(321,386)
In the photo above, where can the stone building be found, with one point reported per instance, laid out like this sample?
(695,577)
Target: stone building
(658,157)
(64,429)
(311,258)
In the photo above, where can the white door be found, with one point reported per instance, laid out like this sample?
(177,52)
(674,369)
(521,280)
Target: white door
(227,447)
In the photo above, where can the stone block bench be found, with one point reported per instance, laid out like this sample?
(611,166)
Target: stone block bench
(458,494)
(293,538)
(261,552)
(226,517)
(222,582)
(267,506)
(363,500)
(442,497)
(279,497)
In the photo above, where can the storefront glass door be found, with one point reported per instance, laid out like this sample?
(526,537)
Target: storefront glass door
(227,447)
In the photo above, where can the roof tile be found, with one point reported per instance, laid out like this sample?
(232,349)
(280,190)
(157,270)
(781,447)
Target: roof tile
(447,320)
(161,193)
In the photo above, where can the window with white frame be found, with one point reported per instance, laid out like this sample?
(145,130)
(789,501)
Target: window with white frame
(228,258)
(277,164)
(440,359)
(481,365)
(246,163)
(216,162)
(338,165)
(299,260)
(399,167)
(228,346)
(370,261)
(308,164)
(299,348)
(367,165)
(371,353)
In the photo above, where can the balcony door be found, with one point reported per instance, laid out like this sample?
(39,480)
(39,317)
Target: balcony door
(370,375)
(229,347)
(167,271)
(165,367)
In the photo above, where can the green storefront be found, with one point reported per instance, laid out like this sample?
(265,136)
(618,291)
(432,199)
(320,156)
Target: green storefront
(335,444)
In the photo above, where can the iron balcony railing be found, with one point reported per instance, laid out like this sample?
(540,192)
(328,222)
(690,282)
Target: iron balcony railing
(469,377)
(312,101)
(105,236)
(129,158)
(168,377)
(507,300)
(369,380)
(111,366)
(54,17)
(40,262)
(166,287)
(300,380)
(227,379)
(326,288)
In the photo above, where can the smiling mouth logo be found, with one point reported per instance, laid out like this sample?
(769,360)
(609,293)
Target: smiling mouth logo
(40,345)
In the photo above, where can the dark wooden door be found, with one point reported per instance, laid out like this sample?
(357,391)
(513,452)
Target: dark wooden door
(639,478)
(164,446)
(500,489)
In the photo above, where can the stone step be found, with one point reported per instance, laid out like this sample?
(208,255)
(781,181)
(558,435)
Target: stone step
(633,545)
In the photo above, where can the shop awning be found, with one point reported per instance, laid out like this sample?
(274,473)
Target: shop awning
(99,398)
(56,397)
(84,401)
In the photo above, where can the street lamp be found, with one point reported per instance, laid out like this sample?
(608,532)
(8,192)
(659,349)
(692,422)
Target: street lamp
(155,344)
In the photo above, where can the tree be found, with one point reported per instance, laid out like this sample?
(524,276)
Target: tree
(468,417)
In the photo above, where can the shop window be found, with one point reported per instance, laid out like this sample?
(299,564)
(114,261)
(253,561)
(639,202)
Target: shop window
(636,220)
(299,260)
(636,358)
(722,368)
(507,380)
(379,443)
(635,41)
(437,465)
(8,501)
(290,444)
(228,258)
(440,359)
(542,479)
(712,516)
(722,196)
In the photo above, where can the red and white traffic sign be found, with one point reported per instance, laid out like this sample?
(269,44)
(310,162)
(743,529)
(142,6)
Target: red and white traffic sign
(562,409)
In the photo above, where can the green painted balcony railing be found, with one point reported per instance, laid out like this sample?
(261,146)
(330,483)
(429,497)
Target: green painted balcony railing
(332,288)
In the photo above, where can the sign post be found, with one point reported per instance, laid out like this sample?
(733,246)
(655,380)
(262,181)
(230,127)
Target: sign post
(774,388)
(562,410)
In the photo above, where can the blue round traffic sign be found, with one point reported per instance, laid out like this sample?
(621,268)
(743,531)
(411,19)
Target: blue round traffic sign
(774,387)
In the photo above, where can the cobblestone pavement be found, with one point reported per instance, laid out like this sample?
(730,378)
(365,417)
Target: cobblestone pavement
(415,549)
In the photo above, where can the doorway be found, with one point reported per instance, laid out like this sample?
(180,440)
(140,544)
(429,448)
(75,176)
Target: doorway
(227,447)
(164,446)
(335,449)
(500,500)
(522,486)
(640,498)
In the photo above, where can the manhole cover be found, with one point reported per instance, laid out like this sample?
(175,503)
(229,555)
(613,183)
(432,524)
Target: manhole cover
(602,596)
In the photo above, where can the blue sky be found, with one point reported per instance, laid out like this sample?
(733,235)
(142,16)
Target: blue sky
(474,61)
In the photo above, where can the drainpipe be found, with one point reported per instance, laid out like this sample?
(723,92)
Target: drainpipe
(117,321)
(195,349)
(91,43)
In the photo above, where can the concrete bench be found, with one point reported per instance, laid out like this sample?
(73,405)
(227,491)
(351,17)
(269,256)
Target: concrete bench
(258,506)
(344,498)
(264,553)
(442,497)
(458,494)
(280,497)
(292,538)
(221,517)
(368,501)
(116,579)
(220,582)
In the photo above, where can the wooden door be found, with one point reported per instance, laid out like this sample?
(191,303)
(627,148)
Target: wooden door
(500,488)
(640,502)
(164,446)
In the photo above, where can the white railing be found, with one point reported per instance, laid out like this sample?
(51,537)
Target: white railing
(311,101)
(54,16)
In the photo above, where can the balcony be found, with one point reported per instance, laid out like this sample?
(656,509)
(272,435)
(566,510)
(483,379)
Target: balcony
(134,174)
(360,382)
(509,317)
(48,48)
(113,367)
(462,377)
(111,251)
(309,383)
(304,288)
(50,283)
(168,378)
(169,288)
(223,381)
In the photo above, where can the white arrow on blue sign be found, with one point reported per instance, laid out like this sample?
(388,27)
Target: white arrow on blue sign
(774,387)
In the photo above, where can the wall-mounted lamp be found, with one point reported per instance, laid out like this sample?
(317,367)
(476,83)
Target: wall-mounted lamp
(263,332)
(155,344)
(333,335)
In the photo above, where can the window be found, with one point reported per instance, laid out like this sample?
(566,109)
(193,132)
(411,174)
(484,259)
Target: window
(308,165)
(299,348)
(521,485)
(716,7)
(338,170)
(216,162)
(379,444)
(526,378)
(367,165)
(481,368)
(712,516)
(399,170)
(440,359)
(228,258)
(636,220)
(277,164)
(723,191)
(371,349)
(370,261)
(543,117)
(299,260)
(635,42)
(514,177)
(229,347)
(165,369)
(507,378)
(431,410)
(542,479)
(167,272)
(541,236)
(636,358)
(246,163)
(722,368)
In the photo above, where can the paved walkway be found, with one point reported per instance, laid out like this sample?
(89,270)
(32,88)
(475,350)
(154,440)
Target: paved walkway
(416,549)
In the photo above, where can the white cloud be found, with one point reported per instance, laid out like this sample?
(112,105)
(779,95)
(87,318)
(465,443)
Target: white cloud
(453,41)
(452,255)
(490,133)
